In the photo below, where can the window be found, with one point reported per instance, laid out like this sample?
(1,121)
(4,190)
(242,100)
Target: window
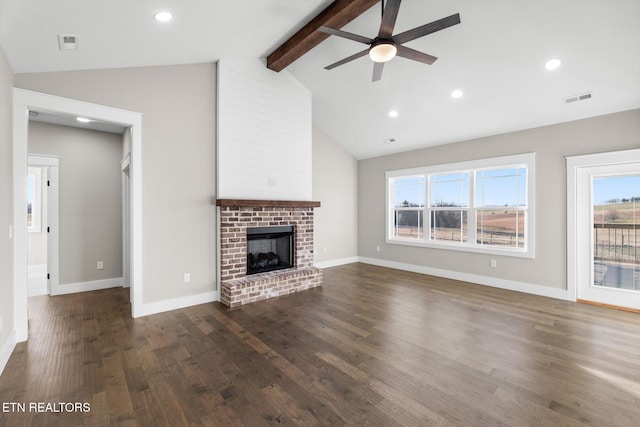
(479,206)
(34,200)
(408,208)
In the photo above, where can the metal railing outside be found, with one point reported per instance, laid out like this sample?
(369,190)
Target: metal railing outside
(617,242)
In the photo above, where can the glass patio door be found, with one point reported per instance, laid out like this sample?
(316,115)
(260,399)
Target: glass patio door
(608,234)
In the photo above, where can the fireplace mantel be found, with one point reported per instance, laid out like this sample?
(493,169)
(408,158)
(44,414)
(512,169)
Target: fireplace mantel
(244,203)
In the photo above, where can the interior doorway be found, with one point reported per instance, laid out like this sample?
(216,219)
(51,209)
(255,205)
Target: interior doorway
(26,101)
(42,224)
(604,218)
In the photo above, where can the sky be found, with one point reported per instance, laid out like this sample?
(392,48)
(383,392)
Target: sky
(498,187)
(616,187)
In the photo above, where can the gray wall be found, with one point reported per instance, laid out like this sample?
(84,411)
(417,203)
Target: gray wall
(90,195)
(335,185)
(6,200)
(551,144)
(178,176)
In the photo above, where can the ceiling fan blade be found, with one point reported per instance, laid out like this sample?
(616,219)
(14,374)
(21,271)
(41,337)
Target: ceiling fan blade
(346,35)
(389,16)
(429,28)
(377,71)
(347,59)
(407,52)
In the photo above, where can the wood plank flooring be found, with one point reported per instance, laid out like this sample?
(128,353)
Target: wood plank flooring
(374,346)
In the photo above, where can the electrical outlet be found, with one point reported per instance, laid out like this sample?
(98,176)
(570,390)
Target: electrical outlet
(377,248)
(1,324)
(324,251)
(100,265)
(187,277)
(494,263)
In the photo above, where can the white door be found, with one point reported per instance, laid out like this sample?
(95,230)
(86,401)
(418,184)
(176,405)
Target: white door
(49,227)
(606,236)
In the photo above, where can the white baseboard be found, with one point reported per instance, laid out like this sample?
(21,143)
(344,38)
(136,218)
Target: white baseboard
(93,285)
(336,262)
(6,350)
(177,303)
(511,285)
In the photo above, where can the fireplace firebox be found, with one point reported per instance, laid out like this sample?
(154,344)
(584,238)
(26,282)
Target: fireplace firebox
(269,248)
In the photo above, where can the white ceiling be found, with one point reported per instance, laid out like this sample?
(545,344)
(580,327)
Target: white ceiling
(496,56)
(67,120)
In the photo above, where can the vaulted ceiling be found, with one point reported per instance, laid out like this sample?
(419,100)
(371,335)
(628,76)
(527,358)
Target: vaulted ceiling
(496,57)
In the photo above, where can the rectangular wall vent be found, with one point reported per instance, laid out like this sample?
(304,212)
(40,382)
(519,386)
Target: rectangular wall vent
(576,98)
(68,42)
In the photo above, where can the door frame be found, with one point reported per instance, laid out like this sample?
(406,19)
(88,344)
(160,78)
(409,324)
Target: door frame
(52,163)
(23,102)
(574,165)
(125,167)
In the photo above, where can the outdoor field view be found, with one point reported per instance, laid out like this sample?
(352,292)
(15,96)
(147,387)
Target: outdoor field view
(499,207)
(616,231)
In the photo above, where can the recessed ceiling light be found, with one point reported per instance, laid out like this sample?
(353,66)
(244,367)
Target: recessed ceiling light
(393,113)
(163,16)
(553,64)
(83,120)
(457,93)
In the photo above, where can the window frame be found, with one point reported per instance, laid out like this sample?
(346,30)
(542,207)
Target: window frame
(526,160)
(420,209)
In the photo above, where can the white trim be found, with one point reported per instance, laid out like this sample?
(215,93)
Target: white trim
(25,100)
(218,252)
(7,350)
(527,160)
(336,262)
(20,254)
(511,285)
(574,165)
(43,160)
(177,303)
(92,285)
(125,167)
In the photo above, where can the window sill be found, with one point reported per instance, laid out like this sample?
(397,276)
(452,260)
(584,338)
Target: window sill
(487,250)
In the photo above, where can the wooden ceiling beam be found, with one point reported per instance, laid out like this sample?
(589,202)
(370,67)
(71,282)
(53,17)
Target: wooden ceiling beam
(336,15)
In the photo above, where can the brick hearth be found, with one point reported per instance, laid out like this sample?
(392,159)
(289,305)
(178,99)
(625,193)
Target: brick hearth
(236,216)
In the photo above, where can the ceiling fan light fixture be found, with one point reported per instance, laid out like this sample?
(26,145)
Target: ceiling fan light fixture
(383,51)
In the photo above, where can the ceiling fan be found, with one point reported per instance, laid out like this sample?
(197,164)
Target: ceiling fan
(386,46)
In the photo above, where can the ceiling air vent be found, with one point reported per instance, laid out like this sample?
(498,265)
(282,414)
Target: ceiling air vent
(576,98)
(68,42)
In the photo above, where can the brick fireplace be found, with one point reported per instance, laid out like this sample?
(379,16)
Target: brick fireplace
(236,216)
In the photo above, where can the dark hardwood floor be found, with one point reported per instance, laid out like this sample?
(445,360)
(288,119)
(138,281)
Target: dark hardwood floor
(374,347)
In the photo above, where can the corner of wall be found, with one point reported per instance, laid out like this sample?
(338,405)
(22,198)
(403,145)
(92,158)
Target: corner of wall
(7,322)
